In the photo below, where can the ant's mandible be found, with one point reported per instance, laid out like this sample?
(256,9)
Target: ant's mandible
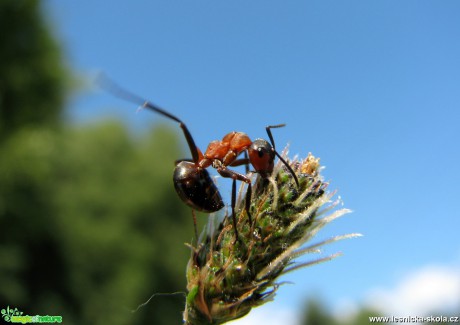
(192,181)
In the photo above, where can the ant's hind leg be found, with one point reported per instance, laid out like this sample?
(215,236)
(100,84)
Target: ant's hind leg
(247,203)
(233,210)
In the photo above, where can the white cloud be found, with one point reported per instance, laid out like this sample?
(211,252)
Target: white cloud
(430,289)
(269,316)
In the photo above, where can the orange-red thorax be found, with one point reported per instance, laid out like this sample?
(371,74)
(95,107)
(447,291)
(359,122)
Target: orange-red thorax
(227,149)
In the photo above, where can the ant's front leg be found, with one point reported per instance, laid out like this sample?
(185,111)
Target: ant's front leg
(227,173)
(242,161)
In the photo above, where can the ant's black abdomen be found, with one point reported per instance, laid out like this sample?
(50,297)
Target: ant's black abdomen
(196,188)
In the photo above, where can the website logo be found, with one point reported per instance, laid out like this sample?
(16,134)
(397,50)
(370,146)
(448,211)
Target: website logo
(13,315)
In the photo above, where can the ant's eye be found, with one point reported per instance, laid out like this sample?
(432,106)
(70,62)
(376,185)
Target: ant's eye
(261,152)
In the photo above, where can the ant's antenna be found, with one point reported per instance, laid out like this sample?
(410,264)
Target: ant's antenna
(270,136)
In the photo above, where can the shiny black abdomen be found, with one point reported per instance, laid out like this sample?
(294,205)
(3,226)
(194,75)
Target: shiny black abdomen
(196,188)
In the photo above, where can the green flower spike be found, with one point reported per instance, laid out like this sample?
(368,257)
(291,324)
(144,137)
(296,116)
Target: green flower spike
(227,277)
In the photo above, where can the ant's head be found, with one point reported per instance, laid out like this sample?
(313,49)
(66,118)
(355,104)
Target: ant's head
(262,157)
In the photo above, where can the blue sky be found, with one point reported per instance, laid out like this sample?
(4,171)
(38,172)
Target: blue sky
(371,87)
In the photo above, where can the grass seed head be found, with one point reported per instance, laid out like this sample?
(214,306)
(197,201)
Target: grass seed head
(227,277)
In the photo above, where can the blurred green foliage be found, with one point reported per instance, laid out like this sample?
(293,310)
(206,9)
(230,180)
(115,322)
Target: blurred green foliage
(90,224)
(317,314)
(33,77)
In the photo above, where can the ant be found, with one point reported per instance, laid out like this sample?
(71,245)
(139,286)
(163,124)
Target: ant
(192,181)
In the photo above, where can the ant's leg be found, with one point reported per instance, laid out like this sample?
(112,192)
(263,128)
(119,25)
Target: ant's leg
(243,161)
(270,136)
(248,202)
(239,162)
(121,93)
(188,136)
(228,173)
(233,210)
(194,225)
(246,166)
